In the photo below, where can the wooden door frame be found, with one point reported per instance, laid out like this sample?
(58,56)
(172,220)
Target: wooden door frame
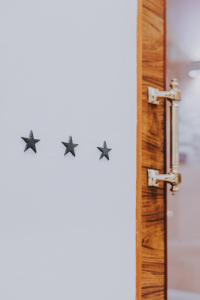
(151,252)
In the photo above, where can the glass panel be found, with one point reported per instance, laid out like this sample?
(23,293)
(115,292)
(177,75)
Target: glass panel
(183,52)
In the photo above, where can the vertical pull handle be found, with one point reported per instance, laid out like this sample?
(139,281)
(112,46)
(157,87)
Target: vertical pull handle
(173,96)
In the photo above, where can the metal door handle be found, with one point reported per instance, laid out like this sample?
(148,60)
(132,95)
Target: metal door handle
(173,176)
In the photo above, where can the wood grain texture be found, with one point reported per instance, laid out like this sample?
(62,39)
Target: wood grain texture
(151,208)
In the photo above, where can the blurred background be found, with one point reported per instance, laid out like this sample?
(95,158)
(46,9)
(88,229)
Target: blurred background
(183,62)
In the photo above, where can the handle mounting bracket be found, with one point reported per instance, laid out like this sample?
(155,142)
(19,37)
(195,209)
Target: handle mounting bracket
(174,94)
(154,177)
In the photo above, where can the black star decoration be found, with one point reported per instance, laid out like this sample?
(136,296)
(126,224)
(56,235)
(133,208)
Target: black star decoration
(104,151)
(70,147)
(30,142)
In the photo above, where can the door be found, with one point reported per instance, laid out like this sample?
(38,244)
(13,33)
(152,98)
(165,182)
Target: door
(183,209)
(151,201)
(67,218)
(168,254)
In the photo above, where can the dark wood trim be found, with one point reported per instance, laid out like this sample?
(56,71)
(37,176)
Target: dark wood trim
(151,202)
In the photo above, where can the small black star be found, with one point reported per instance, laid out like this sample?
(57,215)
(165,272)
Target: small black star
(104,151)
(30,142)
(70,147)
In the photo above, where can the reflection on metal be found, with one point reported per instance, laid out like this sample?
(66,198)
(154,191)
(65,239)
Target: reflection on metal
(173,176)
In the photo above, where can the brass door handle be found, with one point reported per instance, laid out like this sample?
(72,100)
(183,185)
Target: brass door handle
(173,176)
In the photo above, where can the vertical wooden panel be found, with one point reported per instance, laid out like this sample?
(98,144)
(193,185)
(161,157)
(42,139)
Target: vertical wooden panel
(151,208)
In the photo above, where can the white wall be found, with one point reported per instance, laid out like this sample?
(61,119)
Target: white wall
(67,225)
